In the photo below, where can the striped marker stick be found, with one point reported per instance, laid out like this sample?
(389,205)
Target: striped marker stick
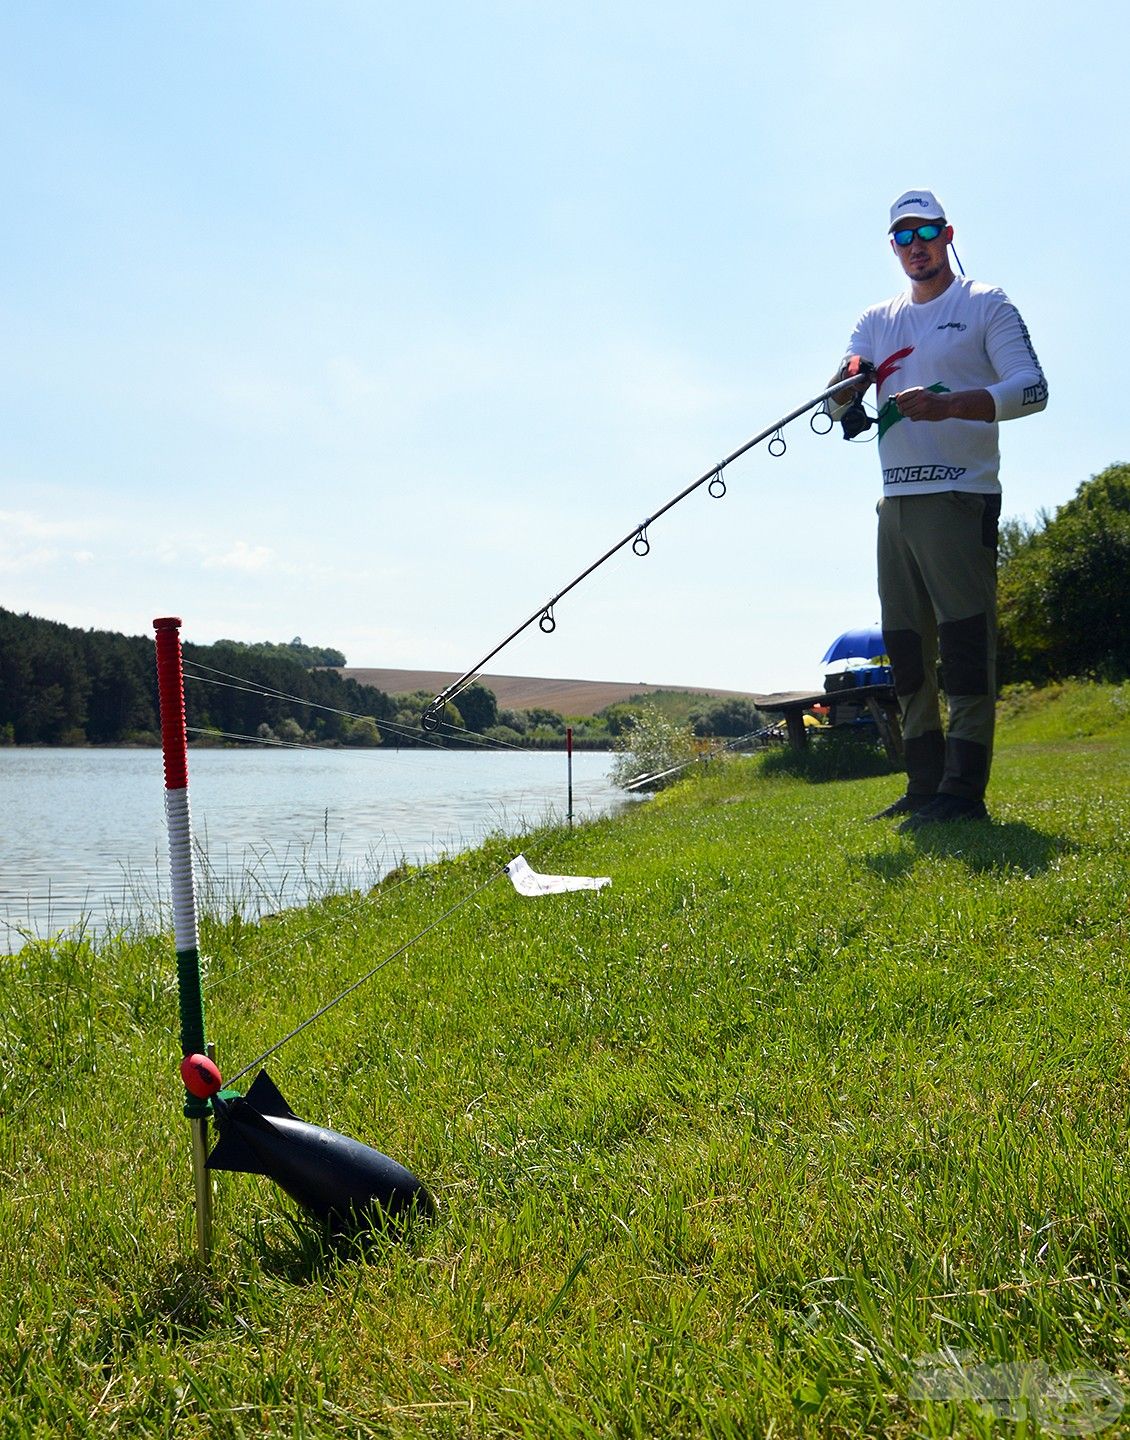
(174,744)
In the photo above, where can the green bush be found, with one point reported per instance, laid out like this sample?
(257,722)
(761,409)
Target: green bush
(1064,596)
(730,717)
(651,746)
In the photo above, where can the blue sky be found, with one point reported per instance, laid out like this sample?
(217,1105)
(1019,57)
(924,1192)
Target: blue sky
(375,323)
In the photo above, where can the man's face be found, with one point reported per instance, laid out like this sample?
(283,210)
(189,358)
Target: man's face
(923,259)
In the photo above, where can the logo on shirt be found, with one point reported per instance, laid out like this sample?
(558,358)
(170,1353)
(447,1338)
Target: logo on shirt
(888,366)
(953,325)
(918,474)
(1035,394)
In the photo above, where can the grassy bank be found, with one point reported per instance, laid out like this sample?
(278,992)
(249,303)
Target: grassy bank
(725,1149)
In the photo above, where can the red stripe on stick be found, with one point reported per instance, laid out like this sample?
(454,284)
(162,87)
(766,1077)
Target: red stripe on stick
(170,688)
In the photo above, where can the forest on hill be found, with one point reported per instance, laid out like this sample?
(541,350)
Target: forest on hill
(64,686)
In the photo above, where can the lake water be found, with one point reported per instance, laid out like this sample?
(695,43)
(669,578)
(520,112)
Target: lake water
(83,837)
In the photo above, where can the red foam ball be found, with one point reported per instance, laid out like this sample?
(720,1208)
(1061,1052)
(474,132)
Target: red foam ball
(200,1075)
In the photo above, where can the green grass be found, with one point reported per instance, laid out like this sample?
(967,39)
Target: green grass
(1068,711)
(722,1150)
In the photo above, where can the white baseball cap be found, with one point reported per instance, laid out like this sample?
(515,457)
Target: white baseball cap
(915,205)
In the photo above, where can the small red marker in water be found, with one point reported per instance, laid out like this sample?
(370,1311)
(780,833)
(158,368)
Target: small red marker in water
(201,1077)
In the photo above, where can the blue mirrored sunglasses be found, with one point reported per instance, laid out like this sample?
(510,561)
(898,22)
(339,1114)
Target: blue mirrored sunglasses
(903,238)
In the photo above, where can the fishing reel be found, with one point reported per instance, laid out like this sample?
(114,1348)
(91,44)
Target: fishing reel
(855,420)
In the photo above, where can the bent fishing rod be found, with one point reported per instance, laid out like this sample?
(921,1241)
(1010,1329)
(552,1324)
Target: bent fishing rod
(637,537)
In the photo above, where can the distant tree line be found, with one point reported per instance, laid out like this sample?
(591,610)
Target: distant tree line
(308,656)
(64,686)
(60,686)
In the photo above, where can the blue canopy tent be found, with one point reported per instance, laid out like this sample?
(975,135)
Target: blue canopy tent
(864,644)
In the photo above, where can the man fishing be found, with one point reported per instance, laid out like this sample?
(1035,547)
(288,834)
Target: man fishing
(950,358)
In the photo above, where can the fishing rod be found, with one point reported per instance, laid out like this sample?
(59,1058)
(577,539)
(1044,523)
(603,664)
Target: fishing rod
(637,538)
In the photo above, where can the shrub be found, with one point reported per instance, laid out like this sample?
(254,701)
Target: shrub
(651,746)
(1065,587)
(730,717)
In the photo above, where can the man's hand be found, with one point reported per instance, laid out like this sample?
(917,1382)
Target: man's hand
(854,366)
(920,404)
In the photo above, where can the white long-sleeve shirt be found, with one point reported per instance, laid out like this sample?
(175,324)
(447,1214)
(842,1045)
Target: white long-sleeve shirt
(970,337)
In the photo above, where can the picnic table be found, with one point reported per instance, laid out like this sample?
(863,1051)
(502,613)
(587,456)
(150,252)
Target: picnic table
(844,706)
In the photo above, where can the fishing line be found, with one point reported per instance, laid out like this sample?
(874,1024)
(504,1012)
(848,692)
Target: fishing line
(712,754)
(288,745)
(253,687)
(206,732)
(437,848)
(395,728)
(541,853)
(386,891)
(637,537)
(210,732)
(380,965)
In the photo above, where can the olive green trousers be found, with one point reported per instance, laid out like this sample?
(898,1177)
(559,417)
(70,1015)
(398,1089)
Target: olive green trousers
(938,591)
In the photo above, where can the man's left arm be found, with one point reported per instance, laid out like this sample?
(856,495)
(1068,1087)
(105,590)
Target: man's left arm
(1020,390)
(919,404)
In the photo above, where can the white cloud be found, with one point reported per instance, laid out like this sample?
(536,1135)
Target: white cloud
(29,542)
(240,556)
(17,525)
(15,561)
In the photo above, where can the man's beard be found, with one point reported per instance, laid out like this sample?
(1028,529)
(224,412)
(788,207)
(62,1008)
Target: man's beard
(930,274)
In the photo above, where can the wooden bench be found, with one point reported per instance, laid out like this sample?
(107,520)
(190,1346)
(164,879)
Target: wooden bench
(879,701)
